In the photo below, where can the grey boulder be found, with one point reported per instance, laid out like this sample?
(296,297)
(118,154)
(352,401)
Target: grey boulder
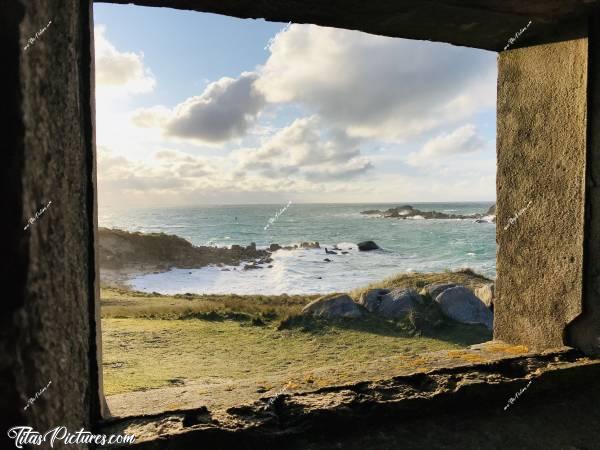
(390,304)
(460,304)
(334,307)
(435,289)
(372,298)
(397,303)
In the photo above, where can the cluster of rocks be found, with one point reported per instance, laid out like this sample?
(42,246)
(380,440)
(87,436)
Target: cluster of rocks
(455,301)
(407,211)
(335,250)
(266,260)
(306,245)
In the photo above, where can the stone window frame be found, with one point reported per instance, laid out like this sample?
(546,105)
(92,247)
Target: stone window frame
(562,326)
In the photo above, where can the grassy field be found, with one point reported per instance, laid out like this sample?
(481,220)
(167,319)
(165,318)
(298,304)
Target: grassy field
(220,342)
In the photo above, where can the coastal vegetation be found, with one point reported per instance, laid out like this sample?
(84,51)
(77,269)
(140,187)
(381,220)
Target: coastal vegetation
(238,347)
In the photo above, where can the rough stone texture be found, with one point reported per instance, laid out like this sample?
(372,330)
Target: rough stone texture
(584,332)
(435,289)
(541,141)
(486,295)
(371,299)
(398,303)
(477,392)
(334,307)
(367,245)
(460,304)
(47,324)
(486,24)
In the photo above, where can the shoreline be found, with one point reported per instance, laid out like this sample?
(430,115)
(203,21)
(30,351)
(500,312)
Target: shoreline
(169,264)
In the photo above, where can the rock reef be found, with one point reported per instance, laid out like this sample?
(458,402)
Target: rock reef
(407,211)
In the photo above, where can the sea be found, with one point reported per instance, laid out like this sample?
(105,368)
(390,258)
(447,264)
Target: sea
(407,245)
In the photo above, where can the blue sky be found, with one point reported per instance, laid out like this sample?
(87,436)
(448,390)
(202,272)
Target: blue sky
(185,49)
(199,108)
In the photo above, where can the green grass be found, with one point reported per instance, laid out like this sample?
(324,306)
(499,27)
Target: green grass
(121,303)
(149,353)
(234,346)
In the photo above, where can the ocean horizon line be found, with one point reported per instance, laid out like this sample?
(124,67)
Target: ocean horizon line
(206,205)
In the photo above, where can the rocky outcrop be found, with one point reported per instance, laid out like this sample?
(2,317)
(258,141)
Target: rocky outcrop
(398,303)
(336,306)
(491,211)
(407,211)
(460,304)
(435,289)
(391,304)
(120,249)
(372,298)
(367,246)
(310,245)
(304,245)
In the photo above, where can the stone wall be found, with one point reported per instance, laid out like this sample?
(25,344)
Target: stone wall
(485,24)
(47,325)
(541,143)
(48,329)
(584,333)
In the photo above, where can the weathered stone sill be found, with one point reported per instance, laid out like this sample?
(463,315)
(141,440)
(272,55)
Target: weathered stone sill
(476,387)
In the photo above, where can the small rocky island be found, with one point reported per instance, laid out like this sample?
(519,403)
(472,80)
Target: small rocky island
(407,212)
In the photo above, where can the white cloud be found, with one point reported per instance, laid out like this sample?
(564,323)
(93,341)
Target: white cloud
(358,92)
(115,69)
(225,110)
(307,149)
(460,141)
(374,86)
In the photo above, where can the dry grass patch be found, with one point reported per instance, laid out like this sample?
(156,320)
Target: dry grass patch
(416,280)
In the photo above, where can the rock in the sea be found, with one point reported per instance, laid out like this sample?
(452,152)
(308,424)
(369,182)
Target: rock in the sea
(327,260)
(460,304)
(486,295)
(266,260)
(371,299)
(274,247)
(491,211)
(310,245)
(397,303)
(435,289)
(367,245)
(333,307)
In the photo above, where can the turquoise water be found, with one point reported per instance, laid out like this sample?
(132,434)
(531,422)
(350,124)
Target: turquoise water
(407,245)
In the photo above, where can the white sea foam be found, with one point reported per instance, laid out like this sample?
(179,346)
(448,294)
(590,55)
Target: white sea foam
(431,245)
